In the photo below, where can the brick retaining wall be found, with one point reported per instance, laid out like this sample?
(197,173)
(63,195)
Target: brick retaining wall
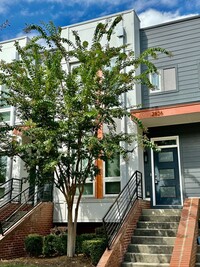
(39,220)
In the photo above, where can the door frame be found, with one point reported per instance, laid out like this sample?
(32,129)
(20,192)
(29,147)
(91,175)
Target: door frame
(153,140)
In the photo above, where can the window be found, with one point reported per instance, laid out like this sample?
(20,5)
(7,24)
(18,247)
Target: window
(3,166)
(112,176)
(3,95)
(89,183)
(88,188)
(5,110)
(164,80)
(5,116)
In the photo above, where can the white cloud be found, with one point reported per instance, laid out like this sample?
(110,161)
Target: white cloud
(3,6)
(73,2)
(140,5)
(153,17)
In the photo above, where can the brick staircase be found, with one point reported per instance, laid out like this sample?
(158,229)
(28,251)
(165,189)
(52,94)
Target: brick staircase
(11,213)
(8,210)
(198,256)
(153,240)
(198,249)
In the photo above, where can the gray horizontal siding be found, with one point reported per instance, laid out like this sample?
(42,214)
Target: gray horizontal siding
(182,39)
(190,162)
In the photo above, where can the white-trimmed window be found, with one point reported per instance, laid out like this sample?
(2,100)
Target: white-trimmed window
(112,180)
(164,80)
(89,188)
(3,91)
(89,184)
(5,110)
(3,170)
(5,114)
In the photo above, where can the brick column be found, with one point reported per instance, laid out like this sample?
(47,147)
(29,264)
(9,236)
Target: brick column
(185,247)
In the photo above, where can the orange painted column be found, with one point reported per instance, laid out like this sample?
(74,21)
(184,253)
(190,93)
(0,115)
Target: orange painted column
(99,177)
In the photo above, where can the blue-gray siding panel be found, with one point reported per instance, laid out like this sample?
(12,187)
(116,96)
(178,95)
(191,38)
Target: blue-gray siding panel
(182,39)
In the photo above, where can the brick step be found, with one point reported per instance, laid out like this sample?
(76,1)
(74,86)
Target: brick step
(162,212)
(147,258)
(157,225)
(155,232)
(154,249)
(153,240)
(198,257)
(143,264)
(159,218)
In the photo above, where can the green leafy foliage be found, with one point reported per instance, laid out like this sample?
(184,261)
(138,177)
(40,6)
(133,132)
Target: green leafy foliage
(34,245)
(55,245)
(80,239)
(62,111)
(94,249)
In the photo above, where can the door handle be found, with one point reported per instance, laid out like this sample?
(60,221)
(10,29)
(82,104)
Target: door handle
(156,179)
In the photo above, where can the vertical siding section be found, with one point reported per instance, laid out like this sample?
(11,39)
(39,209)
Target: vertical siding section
(182,38)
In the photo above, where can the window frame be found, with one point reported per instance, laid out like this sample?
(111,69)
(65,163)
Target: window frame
(88,181)
(111,179)
(161,89)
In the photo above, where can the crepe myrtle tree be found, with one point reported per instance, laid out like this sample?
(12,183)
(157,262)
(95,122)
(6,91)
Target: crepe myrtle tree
(62,111)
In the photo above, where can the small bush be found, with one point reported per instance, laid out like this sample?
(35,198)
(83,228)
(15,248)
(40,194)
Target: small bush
(100,231)
(80,239)
(94,249)
(33,245)
(55,245)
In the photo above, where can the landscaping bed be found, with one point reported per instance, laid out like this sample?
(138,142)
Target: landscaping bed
(61,261)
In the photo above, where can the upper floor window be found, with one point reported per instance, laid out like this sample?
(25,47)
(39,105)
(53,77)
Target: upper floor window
(3,95)
(163,80)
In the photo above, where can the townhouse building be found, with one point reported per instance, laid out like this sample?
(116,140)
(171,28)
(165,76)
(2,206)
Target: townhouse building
(100,193)
(170,111)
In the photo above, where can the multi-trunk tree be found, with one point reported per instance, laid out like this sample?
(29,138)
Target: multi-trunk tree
(61,112)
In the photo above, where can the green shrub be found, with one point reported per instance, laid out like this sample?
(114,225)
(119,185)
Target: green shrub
(100,231)
(80,239)
(34,244)
(94,249)
(55,245)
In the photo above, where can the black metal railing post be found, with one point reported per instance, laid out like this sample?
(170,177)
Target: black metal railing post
(120,208)
(11,188)
(137,184)
(1,229)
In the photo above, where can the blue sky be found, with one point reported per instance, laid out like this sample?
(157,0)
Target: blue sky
(66,12)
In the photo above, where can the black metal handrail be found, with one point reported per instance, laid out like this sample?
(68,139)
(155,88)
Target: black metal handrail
(119,210)
(10,187)
(29,198)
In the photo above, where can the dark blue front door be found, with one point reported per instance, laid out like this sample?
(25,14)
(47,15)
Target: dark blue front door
(166,177)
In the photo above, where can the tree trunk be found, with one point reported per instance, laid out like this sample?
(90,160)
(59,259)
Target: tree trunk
(71,235)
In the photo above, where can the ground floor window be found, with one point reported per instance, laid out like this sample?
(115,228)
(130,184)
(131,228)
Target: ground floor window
(112,181)
(88,188)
